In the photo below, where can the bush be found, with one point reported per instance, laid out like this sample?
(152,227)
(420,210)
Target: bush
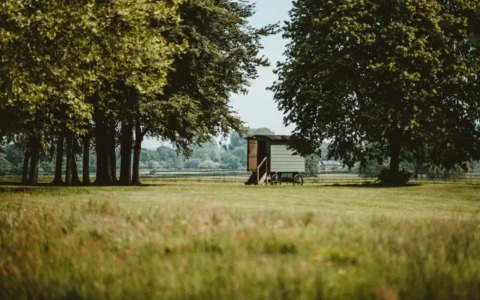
(192,163)
(371,169)
(5,165)
(153,164)
(207,164)
(312,166)
(16,170)
(388,177)
(434,172)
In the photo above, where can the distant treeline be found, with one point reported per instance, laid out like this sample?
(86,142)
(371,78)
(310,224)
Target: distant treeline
(231,154)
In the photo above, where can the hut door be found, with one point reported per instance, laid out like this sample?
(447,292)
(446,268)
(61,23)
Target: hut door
(262,153)
(252,155)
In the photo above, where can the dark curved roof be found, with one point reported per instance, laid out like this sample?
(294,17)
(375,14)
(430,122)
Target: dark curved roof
(270,137)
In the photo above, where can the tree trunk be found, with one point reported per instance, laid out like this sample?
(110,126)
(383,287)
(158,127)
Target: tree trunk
(136,154)
(68,167)
(58,180)
(395,148)
(75,178)
(26,159)
(104,176)
(35,161)
(86,160)
(112,155)
(126,153)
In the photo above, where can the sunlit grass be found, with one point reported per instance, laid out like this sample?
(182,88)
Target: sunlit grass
(209,241)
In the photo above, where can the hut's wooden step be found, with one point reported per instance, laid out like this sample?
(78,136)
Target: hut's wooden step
(262,179)
(253,179)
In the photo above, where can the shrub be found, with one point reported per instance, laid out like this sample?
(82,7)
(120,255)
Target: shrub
(435,172)
(312,166)
(371,169)
(192,163)
(207,164)
(153,164)
(389,177)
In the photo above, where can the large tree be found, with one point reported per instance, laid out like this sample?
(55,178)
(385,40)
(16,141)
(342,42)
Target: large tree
(382,79)
(112,72)
(133,56)
(221,59)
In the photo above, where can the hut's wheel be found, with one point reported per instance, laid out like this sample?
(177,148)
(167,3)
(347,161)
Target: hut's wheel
(298,179)
(275,179)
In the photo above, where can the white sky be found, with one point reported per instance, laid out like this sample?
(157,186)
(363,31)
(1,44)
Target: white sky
(257,108)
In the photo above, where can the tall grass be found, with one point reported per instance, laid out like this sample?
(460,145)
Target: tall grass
(106,243)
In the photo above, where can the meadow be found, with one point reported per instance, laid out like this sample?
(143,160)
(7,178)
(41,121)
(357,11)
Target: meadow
(174,240)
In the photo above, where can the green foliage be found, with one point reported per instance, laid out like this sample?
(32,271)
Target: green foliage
(475,165)
(13,154)
(371,169)
(40,71)
(11,160)
(476,35)
(324,151)
(382,79)
(435,172)
(237,140)
(169,158)
(207,151)
(192,163)
(231,161)
(241,153)
(312,166)
(58,54)
(5,165)
(153,165)
(221,59)
(208,164)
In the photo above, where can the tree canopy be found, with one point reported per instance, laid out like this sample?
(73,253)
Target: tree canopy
(382,79)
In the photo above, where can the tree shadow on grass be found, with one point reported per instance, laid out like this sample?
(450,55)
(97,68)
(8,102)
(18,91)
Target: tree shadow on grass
(10,183)
(17,189)
(373,185)
(8,186)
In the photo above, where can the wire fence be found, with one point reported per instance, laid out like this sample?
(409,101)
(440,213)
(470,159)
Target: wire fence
(200,175)
(324,177)
(472,177)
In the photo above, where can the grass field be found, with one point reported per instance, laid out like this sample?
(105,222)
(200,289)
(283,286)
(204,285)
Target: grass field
(219,240)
